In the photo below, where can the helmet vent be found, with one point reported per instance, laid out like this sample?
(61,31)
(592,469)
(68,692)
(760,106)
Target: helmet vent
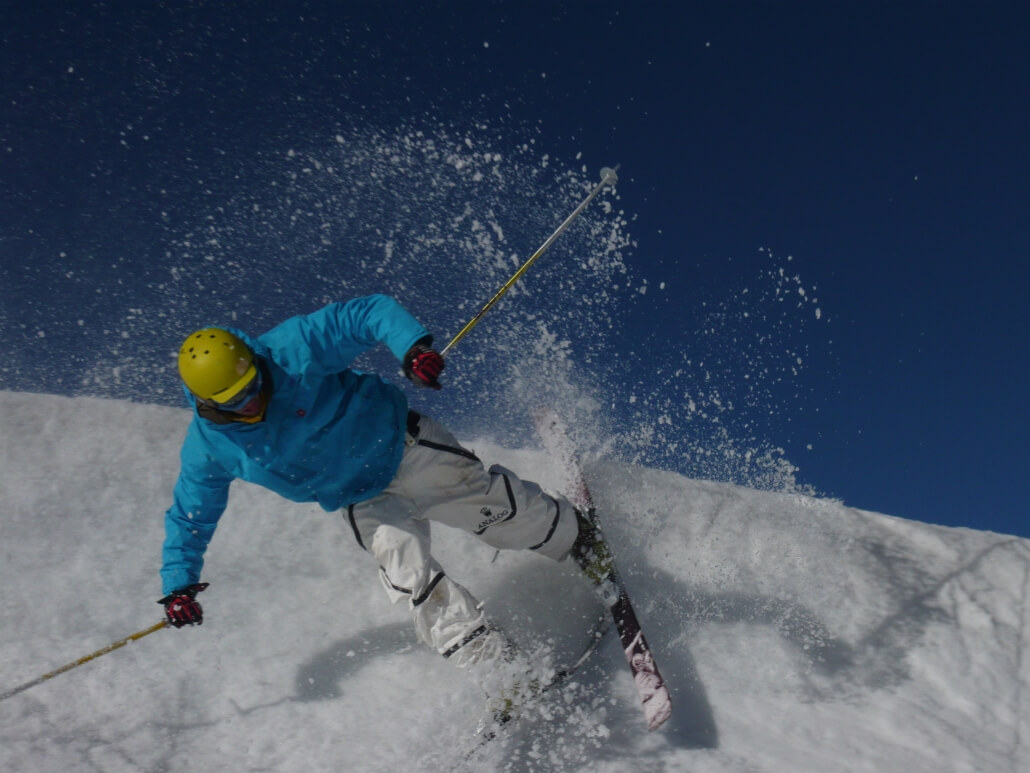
(213,360)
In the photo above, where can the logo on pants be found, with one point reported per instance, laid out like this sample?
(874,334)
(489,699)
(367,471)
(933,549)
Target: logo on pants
(490,518)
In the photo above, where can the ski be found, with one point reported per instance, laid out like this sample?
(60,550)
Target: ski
(654,695)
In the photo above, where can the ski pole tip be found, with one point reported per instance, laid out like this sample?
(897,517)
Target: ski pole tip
(608,174)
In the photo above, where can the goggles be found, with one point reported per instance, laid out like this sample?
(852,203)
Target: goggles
(241,398)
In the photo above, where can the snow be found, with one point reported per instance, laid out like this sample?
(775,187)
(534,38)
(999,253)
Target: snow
(796,634)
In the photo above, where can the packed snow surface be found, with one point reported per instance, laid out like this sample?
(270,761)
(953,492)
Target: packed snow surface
(796,634)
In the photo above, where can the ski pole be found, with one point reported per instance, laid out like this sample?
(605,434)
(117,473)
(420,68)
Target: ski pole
(102,651)
(608,177)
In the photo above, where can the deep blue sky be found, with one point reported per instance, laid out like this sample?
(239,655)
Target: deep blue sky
(882,146)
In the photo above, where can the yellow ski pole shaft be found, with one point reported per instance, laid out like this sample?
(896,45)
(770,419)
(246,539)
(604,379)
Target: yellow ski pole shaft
(102,651)
(608,177)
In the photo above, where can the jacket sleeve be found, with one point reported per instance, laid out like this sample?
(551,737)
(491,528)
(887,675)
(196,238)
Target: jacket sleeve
(329,339)
(200,497)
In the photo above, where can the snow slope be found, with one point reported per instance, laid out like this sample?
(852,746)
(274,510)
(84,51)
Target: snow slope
(797,634)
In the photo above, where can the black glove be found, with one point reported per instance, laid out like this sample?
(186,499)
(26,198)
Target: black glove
(423,365)
(182,607)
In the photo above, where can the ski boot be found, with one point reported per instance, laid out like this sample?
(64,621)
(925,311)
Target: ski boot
(592,554)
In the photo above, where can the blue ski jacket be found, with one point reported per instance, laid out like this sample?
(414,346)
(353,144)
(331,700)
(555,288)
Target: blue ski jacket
(329,435)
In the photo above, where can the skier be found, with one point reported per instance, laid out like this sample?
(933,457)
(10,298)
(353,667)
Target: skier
(285,411)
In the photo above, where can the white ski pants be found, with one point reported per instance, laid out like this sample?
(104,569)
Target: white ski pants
(438,480)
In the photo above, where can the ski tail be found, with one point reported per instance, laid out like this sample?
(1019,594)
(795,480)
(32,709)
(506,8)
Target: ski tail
(555,435)
(654,695)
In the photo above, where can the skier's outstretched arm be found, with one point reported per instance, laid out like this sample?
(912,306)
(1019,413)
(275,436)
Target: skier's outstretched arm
(200,496)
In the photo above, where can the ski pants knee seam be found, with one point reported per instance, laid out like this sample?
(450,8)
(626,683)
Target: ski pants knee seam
(354,527)
(554,524)
(448,449)
(415,602)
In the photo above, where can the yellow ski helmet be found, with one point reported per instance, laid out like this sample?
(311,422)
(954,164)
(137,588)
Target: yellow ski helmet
(215,364)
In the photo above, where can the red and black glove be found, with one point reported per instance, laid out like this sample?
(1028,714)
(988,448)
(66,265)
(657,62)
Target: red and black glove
(423,365)
(182,607)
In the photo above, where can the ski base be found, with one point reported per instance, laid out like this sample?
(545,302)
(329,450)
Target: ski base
(654,695)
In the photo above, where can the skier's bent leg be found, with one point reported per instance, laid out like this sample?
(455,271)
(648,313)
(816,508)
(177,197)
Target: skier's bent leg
(446,616)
